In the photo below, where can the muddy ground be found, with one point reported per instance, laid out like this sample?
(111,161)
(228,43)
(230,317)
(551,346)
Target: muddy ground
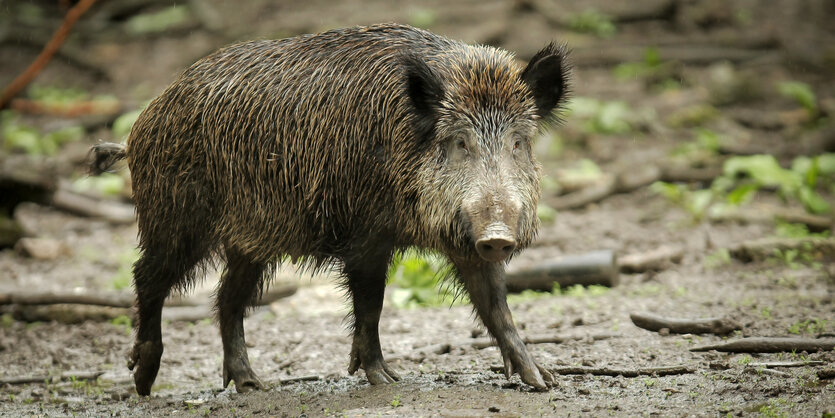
(305,334)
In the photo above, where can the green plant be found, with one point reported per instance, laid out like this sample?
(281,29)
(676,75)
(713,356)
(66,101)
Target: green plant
(802,93)
(717,258)
(546,214)
(422,18)
(123,321)
(744,360)
(159,21)
(811,326)
(7,320)
(592,22)
(419,280)
(764,171)
(695,202)
(396,401)
(106,184)
(18,136)
(602,117)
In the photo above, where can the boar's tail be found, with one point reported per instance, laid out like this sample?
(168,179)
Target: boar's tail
(104,155)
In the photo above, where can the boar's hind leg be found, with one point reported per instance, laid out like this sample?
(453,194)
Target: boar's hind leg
(239,286)
(366,284)
(488,293)
(154,274)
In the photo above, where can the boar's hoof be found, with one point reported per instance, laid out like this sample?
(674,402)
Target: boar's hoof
(381,375)
(378,373)
(144,361)
(531,373)
(244,378)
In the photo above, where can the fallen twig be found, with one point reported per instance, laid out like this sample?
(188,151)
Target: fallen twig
(771,345)
(606,371)
(629,180)
(122,299)
(483,343)
(112,211)
(54,44)
(652,322)
(116,299)
(21,380)
(773,364)
(762,249)
(309,378)
(651,260)
(765,214)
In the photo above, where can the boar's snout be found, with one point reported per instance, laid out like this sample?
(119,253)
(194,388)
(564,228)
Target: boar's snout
(496,244)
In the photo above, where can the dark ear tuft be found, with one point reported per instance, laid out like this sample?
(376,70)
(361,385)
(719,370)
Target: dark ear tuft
(547,76)
(425,92)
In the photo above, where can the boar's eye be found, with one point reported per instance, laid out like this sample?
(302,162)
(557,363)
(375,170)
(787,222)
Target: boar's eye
(517,144)
(461,144)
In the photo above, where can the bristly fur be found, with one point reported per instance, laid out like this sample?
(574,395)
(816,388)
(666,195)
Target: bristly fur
(332,149)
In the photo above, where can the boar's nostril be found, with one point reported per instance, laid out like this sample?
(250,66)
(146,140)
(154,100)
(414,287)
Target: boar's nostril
(495,249)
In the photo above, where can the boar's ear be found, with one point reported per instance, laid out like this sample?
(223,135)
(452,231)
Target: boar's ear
(425,92)
(547,77)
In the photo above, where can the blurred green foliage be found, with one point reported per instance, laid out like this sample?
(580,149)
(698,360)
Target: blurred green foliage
(106,184)
(20,137)
(744,176)
(158,21)
(418,278)
(601,117)
(592,22)
(802,93)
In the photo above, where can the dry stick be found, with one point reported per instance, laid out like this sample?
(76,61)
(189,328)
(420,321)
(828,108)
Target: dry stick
(309,378)
(45,377)
(771,345)
(652,322)
(483,343)
(606,371)
(121,299)
(111,211)
(767,214)
(54,44)
(631,180)
(116,300)
(651,260)
(787,364)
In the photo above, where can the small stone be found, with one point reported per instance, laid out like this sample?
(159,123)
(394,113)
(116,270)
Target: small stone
(664,331)
(41,248)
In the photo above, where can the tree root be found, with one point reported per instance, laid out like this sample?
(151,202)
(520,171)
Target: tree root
(652,322)
(771,345)
(21,380)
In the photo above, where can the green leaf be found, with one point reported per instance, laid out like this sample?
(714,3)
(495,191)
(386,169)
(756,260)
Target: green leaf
(765,170)
(812,201)
(800,92)
(742,194)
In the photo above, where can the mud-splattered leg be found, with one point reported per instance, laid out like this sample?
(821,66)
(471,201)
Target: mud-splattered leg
(154,274)
(366,284)
(239,286)
(485,284)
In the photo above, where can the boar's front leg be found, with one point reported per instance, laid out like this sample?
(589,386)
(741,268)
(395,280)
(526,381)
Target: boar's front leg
(485,283)
(366,283)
